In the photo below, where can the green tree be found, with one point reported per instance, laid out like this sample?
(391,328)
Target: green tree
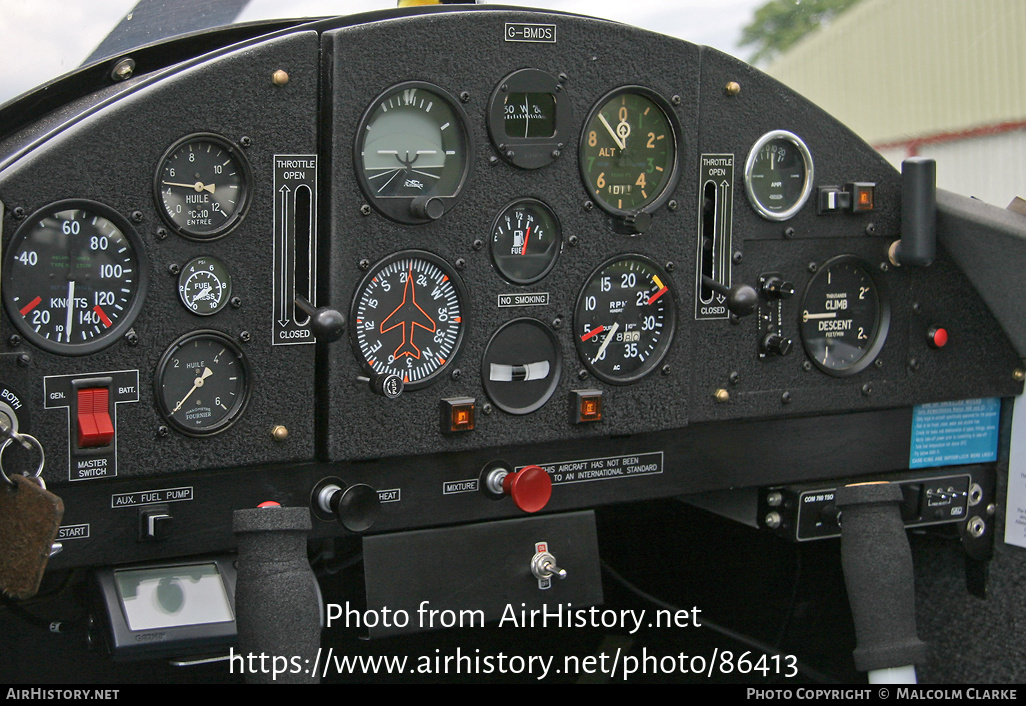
(779,24)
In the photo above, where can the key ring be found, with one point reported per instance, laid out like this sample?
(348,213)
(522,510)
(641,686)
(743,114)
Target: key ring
(32,441)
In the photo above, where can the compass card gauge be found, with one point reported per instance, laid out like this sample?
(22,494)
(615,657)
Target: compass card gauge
(408,317)
(529,118)
(74,277)
(413,152)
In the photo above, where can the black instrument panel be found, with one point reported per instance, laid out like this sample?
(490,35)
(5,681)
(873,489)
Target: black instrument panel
(632,304)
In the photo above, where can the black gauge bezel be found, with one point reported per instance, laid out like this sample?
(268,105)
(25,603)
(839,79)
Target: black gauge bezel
(883,319)
(678,140)
(530,152)
(187,270)
(557,247)
(663,347)
(803,198)
(461,296)
(108,337)
(398,208)
(239,406)
(246,181)
(555,372)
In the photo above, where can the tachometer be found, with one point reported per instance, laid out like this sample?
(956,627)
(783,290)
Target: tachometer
(844,318)
(624,319)
(628,151)
(408,317)
(74,278)
(413,152)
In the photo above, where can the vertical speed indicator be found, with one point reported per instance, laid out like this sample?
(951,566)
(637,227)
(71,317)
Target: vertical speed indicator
(408,317)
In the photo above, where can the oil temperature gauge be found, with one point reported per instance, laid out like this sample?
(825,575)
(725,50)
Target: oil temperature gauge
(202,383)
(204,285)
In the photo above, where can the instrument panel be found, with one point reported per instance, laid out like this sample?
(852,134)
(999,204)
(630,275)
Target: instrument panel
(396,272)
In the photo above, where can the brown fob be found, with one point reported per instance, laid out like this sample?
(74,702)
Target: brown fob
(30,516)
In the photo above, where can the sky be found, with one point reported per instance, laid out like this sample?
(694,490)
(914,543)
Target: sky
(73,28)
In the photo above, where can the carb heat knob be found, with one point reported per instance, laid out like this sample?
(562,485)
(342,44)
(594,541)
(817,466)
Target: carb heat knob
(356,506)
(530,487)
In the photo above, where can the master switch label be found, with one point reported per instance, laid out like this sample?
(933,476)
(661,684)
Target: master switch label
(954,433)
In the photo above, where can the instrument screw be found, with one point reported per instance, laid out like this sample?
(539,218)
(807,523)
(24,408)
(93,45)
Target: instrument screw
(813,267)
(365,210)
(884,267)
(123,70)
(913,364)
(364,264)
(582,374)
(14,341)
(493,160)
(245,141)
(465,96)
(669,266)
(563,78)
(245,336)
(878,363)
(734,378)
(161,233)
(173,268)
(460,263)
(672,205)
(137,216)
(572,240)
(870,229)
(486,408)
(478,244)
(163,431)
(1019,374)
(588,205)
(455,374)
(867,390)
(675,100)
(785,398)
(738,257)
(24,359)
(789,232)
(557,322)
(666,369)
(132,337)
(236,302)
(19,213)
(806,366)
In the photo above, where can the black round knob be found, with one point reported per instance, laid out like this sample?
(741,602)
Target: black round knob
(327,324)
(427,207)
(356,507)
(388,385)
(742,299)
(776,344)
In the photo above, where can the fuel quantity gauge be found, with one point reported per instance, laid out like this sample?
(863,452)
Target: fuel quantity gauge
(526,241)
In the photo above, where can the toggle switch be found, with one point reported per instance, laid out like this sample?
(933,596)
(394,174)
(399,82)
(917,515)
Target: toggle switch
(95,428)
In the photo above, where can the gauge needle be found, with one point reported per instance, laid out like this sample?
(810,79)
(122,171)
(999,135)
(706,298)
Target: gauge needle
(198,186)
(658,294)
(71,311)
(828,315)
(207,372)
(523,248)
(592,333)
(606,341)
(202,293)
(616,138)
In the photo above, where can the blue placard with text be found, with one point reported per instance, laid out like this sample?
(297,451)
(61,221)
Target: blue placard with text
(954,433)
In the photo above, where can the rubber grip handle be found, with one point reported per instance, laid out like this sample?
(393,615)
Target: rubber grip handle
(277,599)
(877,563)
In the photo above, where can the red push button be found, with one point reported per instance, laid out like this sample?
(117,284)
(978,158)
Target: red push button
(530,488)
(937,336)
(95,428)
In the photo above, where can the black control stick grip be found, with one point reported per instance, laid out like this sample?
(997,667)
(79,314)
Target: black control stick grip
(918,244)
(277,599)
(877,564)
(741,298)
